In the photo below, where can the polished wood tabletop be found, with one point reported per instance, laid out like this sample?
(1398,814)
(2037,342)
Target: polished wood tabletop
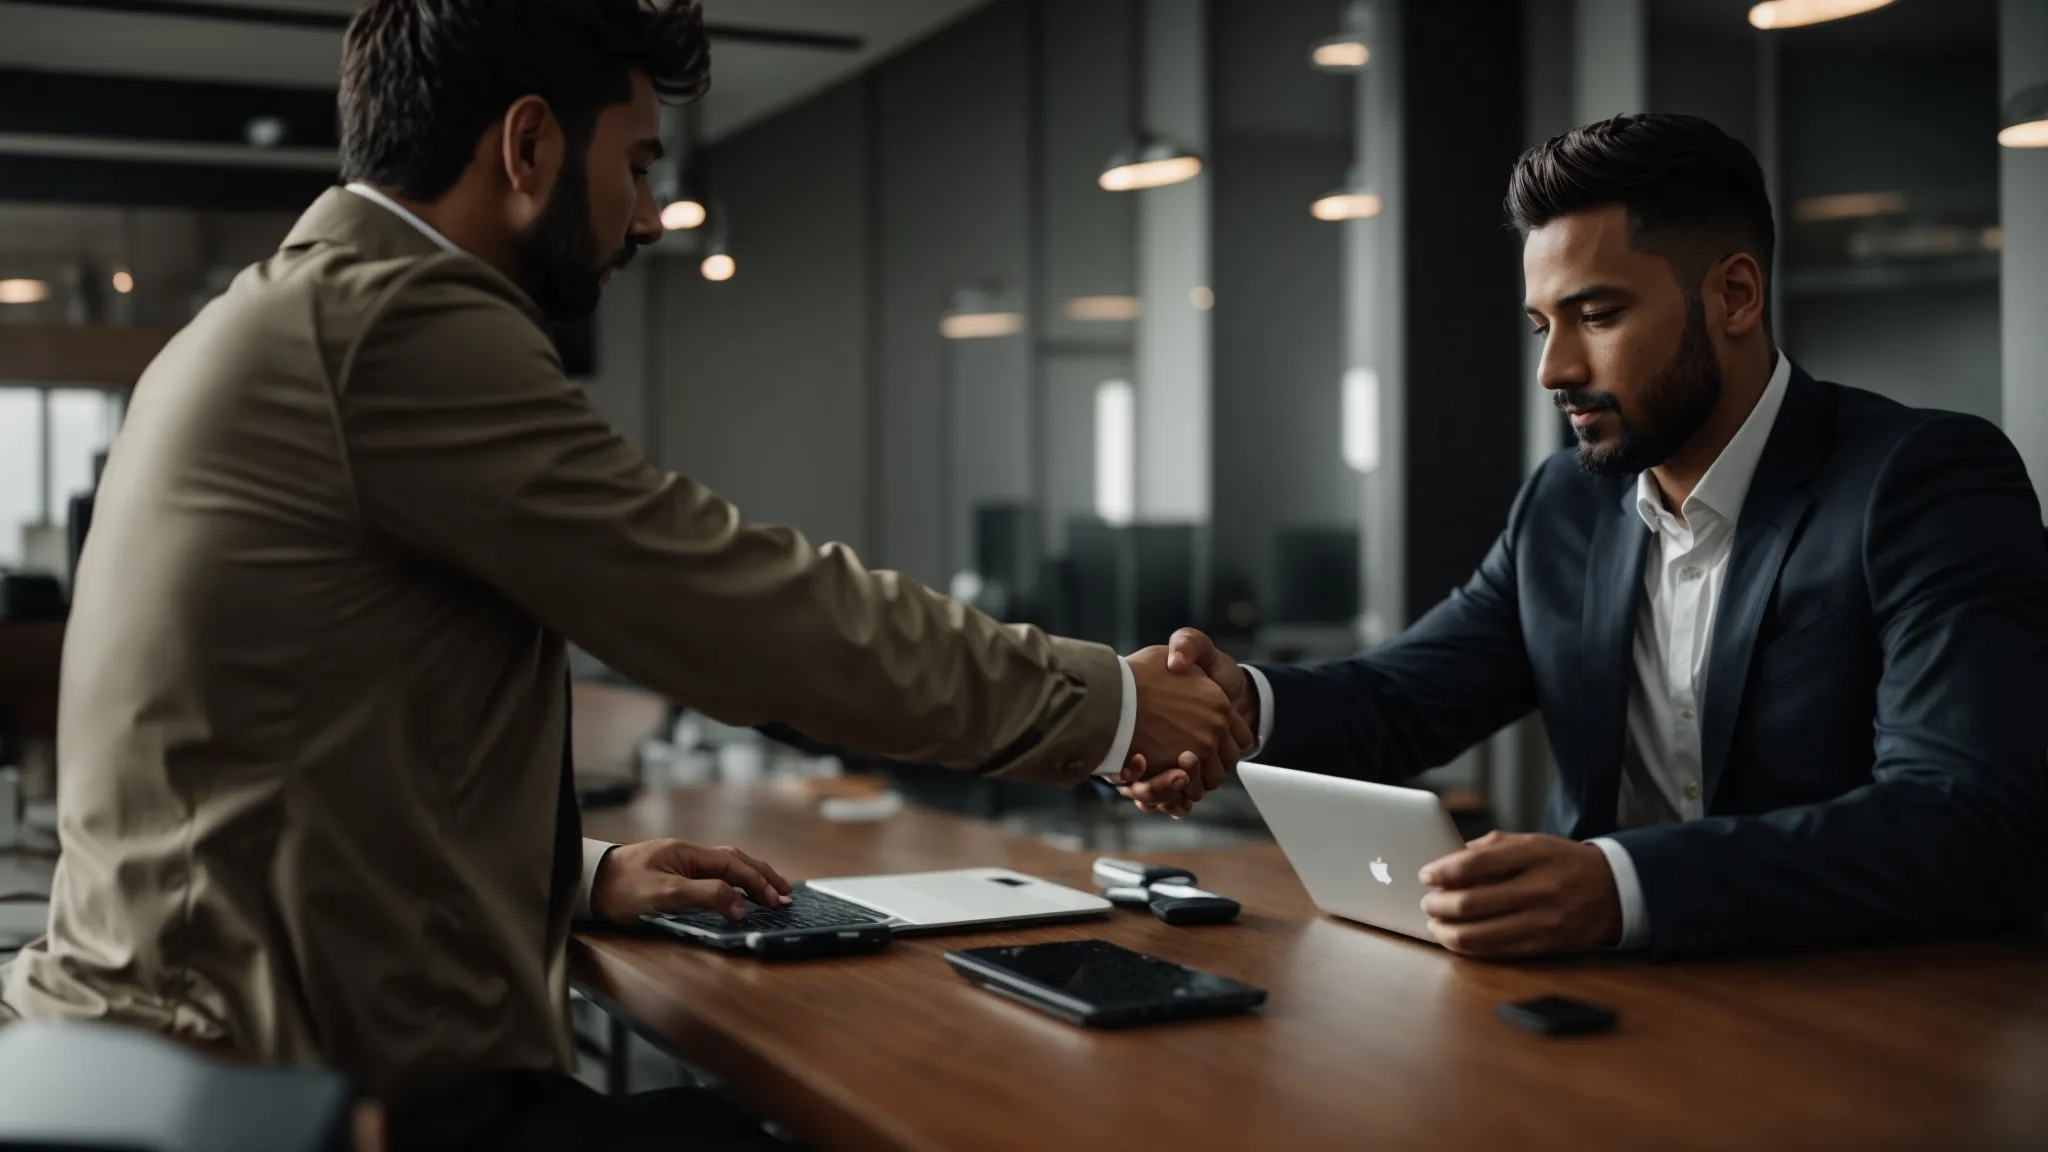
(1369,1039)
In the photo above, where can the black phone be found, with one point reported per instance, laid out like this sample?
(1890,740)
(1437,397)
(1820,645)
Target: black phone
(1556,1016)
(1101,985)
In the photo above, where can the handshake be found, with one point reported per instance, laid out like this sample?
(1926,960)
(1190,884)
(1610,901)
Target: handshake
(1197,714)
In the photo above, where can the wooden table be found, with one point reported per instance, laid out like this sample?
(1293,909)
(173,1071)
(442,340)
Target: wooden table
(1368,1040)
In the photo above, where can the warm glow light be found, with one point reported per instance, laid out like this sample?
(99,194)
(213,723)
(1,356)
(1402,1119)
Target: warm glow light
(1105,308)
(1798,13)
(1202,297)
(1992,239)
(1341,55)
(980,325)
(1346,206)
(718,266)
(123,282)
(2032,134)
(1151,173)
(1361,419)
(1116,451)
(682,215)
(1849,206)
(23,291)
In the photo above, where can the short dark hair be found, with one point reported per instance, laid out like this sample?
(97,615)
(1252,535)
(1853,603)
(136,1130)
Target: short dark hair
(1693,193)
(422,79)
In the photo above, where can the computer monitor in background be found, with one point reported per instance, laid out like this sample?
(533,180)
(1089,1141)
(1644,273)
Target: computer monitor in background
(1315,576)
(1162,580)
(1008,555)
(1096,590)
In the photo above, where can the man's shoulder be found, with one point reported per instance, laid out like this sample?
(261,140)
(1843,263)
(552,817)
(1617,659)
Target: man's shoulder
(1872,430)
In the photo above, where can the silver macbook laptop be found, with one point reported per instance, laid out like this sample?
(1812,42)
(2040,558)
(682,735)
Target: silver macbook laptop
(962,898)
(1356,846)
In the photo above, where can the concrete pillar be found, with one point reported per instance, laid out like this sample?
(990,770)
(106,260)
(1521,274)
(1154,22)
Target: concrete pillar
(1611,74)
(2023,273)
(1173,260)
(1374,334)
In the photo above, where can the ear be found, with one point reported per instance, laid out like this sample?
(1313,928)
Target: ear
(530,148)
(1741,291)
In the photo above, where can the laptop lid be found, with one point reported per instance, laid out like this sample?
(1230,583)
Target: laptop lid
(1357,846)
(963,897)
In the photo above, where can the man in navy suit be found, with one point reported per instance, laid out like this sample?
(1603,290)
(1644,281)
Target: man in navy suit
(1789,638)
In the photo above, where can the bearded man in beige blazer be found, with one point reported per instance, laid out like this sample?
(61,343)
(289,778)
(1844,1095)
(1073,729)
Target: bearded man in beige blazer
(312,797)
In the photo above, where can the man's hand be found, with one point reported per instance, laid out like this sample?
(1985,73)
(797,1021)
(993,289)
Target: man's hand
(1519,894)
(1185,725)
(1175,789)
(671,876)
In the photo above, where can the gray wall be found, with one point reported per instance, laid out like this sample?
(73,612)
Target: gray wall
(1931,348)
(2023,205)
(1282,138)
(1918,122)
(764,382)
(951,115)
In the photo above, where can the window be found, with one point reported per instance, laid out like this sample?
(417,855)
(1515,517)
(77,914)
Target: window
(48,439)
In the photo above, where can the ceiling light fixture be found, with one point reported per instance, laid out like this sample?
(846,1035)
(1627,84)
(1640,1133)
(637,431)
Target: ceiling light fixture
(1848,206)
(124,281)
(1147,159)
(682,204)
(1354,201)
(23,291)
(1775,14)
(718,264)
(980,311)
(1105,308)
(1349,50)
(2025,120)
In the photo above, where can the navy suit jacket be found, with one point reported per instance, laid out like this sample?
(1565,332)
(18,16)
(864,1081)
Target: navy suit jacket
(1875,717)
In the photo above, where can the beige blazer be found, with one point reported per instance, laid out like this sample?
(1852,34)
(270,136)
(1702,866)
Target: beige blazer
(312,713)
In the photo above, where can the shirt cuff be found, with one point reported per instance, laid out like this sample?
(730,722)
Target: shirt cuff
(1264,735)
(1112,766)
(593,855)
(1635,919)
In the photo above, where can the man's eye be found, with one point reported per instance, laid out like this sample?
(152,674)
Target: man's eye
(1541,331)
(1604,316)
(640,173)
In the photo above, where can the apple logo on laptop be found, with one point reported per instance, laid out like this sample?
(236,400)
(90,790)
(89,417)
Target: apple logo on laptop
(1379,871)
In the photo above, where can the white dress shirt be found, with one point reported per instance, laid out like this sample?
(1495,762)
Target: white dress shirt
(1682,578)
(594,850)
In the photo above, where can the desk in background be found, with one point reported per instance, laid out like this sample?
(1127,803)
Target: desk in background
(1368,1040)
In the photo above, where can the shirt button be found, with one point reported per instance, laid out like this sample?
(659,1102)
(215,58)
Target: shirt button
(1685,714)
(1692,789)
(1691,572)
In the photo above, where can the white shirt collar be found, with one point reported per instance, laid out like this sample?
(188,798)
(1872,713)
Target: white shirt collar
(403,213)
(1722,490)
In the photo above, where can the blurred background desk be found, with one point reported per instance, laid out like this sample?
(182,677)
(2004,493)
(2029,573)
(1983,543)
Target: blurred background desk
(1368,1038)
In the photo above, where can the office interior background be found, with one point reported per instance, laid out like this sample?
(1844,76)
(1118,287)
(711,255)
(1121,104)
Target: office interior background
(912,300)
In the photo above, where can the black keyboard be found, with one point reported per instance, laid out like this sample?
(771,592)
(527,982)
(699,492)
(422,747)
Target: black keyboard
(810,910)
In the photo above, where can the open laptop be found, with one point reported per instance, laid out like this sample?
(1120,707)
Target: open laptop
(1356,846)
(911,902)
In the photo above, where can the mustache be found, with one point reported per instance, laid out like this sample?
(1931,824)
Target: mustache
(624,257)
(1584,401)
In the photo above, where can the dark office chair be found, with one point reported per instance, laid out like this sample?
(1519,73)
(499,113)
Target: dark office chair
(101,1088)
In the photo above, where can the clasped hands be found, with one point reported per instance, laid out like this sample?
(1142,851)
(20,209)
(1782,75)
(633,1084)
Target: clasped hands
(1502,895)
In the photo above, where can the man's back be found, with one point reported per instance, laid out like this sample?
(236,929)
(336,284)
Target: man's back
(309,780)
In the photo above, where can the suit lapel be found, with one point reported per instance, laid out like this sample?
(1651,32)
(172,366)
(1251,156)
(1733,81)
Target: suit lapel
(1771,514)
(1614,581)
